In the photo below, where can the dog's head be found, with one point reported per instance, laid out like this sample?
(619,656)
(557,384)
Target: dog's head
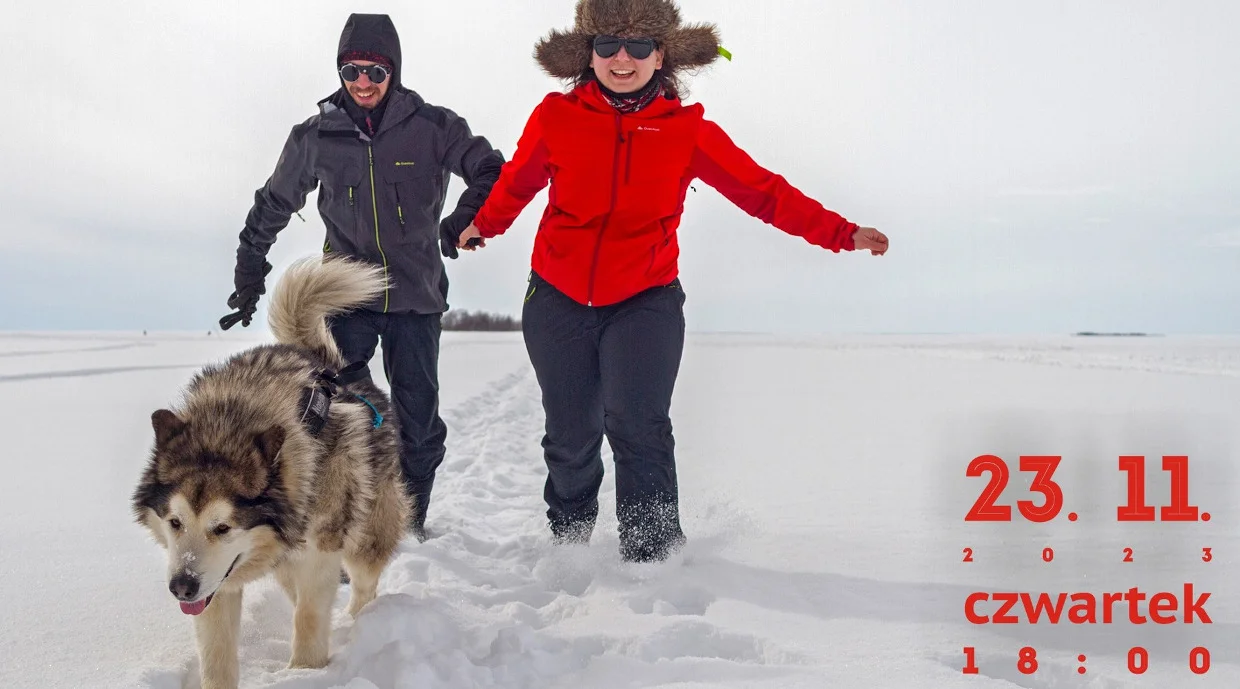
(214,498)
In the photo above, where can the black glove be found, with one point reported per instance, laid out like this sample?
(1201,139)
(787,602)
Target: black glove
(245,298)
(450,229)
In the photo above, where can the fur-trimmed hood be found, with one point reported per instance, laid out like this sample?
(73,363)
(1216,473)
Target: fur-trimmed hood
(566,54)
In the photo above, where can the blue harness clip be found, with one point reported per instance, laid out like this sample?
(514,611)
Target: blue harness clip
(317,401)
(378,416)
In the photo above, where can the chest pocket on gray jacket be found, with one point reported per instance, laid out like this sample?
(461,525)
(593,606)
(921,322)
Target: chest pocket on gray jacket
(413,193)
(342,193)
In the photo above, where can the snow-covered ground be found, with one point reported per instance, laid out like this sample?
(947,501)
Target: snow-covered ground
(824,493)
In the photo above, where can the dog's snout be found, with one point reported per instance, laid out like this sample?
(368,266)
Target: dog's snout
(184,586)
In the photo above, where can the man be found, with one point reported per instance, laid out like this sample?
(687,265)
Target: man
(382,158)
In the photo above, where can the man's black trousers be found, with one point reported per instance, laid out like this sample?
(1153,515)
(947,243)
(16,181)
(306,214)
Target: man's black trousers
(411,365)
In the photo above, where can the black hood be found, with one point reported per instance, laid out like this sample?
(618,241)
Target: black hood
(373,33)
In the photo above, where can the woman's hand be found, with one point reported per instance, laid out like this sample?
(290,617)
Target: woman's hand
(864,238)
(467,234)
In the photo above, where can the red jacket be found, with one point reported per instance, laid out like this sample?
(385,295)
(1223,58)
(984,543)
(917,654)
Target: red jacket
(618,186)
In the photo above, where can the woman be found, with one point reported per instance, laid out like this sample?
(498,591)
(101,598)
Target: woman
(603,317)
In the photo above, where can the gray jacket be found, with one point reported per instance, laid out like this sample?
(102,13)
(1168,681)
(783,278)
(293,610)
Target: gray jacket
(381,198)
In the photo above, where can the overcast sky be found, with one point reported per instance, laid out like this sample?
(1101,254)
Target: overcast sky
(1047,166)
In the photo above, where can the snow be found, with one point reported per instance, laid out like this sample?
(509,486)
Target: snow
(823,486)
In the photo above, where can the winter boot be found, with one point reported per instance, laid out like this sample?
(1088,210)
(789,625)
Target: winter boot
(650,531)
(574,529)
(417,518)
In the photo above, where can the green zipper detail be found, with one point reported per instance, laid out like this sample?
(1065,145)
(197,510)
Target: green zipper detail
(374,204)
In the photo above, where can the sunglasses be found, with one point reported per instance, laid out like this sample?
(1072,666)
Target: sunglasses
(637,48)
(376,73)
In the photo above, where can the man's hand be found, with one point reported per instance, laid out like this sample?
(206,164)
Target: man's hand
(471,238)
(450,229)
(245,300)
(870,238)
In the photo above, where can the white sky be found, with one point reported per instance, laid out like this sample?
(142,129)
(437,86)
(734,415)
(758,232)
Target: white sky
(1039,166)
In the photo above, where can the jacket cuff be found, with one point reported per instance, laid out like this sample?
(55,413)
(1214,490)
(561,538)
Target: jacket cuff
(848,244)
(251,268)
(485,228)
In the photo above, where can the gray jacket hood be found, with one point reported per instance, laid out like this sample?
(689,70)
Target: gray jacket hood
(373,33)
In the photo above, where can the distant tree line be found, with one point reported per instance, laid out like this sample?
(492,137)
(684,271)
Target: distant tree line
(479,320)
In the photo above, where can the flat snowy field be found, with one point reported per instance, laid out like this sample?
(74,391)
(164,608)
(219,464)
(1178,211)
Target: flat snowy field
(824,491)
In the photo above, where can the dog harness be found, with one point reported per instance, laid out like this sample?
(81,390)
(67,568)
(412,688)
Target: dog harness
(317,399)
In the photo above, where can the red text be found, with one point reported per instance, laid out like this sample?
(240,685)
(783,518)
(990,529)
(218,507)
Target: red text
(1087,608)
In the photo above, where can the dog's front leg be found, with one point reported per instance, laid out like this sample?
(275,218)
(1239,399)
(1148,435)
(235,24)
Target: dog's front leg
(317,577)
(217,629)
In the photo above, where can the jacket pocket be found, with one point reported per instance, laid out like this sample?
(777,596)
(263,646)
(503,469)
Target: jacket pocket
(413,193)
(343,206)
(654,165)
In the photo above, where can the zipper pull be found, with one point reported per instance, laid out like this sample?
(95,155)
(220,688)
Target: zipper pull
(350,196)
(400,214)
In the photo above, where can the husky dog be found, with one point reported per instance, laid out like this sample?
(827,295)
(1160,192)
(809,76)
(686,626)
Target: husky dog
(269,466)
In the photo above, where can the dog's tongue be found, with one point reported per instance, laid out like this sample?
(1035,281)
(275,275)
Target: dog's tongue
(194,608)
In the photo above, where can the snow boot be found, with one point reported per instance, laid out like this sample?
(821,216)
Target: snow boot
(574,529)
(650,530)
(417,518)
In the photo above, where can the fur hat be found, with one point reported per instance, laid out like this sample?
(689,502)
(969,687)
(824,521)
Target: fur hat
(566,54)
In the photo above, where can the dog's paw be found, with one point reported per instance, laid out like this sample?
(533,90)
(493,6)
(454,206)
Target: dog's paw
(217,677)
(358,601)
(308,661)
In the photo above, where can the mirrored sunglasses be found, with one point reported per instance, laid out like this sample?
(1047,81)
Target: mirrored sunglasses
(377,73)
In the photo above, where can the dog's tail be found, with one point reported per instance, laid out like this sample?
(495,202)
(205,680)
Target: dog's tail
(314,289)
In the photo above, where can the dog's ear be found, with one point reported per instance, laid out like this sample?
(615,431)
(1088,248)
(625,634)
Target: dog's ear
(167,426)
(264,472)
(269,443)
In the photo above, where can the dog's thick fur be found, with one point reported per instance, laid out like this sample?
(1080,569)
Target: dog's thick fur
(237,487)
(566,54)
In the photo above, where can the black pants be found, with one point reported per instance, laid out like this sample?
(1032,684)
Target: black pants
(411,366)
(609,371)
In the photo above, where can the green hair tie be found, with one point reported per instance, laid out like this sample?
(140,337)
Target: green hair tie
(724,52)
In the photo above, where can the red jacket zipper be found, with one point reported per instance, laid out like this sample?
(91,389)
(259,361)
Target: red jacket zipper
(615,183)
(628,156)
